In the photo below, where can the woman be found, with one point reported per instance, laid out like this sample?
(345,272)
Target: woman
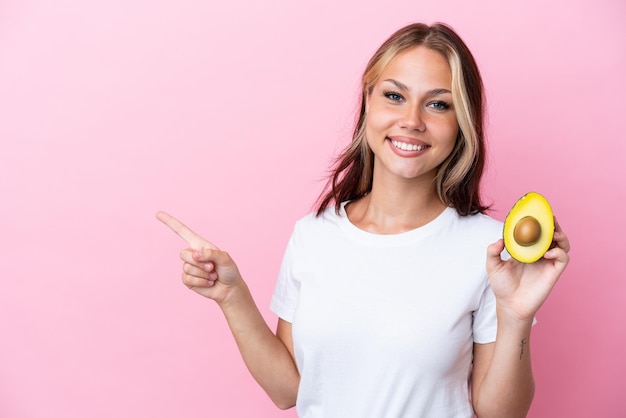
(391,295)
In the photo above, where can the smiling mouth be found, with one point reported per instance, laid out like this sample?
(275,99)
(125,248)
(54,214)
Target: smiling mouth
(408,147)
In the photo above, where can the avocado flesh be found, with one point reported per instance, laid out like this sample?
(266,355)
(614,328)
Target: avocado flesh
(534,205)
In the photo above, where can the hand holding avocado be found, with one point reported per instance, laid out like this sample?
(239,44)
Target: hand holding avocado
(539,250)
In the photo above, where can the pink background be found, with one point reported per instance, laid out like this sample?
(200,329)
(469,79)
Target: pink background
(227,116)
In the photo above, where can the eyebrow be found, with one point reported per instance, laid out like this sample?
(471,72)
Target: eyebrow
(403,87)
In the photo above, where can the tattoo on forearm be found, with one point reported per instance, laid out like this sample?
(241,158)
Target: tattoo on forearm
(522,344)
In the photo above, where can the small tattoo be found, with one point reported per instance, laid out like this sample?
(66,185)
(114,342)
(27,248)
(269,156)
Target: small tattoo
(522,344)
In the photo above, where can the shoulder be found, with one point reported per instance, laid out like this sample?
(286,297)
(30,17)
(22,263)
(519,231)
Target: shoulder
(329,217)
(313,226)
(480,220)
(479,227)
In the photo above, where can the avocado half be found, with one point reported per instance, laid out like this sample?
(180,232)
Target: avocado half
(529,228)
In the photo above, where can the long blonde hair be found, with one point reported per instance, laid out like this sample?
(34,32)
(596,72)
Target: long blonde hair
(458,177)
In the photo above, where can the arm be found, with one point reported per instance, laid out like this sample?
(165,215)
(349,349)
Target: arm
(266,355)
(502,379)
(212,273)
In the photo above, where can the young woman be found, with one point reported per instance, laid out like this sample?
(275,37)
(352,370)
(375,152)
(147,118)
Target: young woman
(393,299)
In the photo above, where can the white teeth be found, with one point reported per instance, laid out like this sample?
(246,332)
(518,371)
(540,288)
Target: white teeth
(408,147)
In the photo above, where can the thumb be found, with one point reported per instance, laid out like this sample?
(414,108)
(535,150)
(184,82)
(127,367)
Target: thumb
(213,255)
(493,255)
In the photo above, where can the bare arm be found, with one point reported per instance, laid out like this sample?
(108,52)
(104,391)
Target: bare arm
(502,378)
(212,273)
(267,357)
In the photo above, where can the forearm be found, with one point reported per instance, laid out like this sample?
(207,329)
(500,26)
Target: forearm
(508,387)
(265,355)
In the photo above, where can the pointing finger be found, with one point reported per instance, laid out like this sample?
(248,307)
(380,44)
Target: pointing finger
(194,240)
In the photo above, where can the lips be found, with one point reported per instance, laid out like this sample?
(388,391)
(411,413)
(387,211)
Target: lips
(408,146)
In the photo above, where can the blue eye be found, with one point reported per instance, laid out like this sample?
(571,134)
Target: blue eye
(393,96)
(439,105)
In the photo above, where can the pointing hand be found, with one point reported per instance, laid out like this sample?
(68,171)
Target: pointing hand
(206,269)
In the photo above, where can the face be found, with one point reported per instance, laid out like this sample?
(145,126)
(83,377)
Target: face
(411,125)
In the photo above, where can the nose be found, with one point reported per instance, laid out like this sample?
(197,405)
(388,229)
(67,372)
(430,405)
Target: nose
(412,119)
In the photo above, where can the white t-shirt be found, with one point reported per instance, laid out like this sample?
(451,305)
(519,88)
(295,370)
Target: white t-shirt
(384,325)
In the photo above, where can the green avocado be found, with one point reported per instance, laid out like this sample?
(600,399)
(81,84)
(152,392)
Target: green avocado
(529,228)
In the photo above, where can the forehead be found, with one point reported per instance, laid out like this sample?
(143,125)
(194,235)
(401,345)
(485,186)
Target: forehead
(419,64)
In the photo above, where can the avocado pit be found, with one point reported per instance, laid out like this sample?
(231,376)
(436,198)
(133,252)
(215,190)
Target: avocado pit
(527,231)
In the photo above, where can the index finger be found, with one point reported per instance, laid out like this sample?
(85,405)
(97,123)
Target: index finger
(194,240)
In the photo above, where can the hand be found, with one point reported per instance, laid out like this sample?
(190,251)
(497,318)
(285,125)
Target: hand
(207,270)
(520,288)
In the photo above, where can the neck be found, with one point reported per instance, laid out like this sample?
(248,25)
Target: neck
(396,206)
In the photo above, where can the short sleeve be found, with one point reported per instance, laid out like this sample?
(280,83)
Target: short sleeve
(485,321)
(287,290)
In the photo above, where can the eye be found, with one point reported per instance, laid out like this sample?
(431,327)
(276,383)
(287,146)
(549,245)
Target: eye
(439,105)
(393,96)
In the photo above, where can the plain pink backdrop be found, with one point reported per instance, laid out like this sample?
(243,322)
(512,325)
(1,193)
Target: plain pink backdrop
(227,115)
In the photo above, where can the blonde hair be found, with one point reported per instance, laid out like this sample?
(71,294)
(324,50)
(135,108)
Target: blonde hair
(458,177)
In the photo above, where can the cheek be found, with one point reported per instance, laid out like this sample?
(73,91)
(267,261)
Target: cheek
(454,135)
(376,131)
(370,133)
(450,132)
(446,137)
(378,119)
(452,142)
